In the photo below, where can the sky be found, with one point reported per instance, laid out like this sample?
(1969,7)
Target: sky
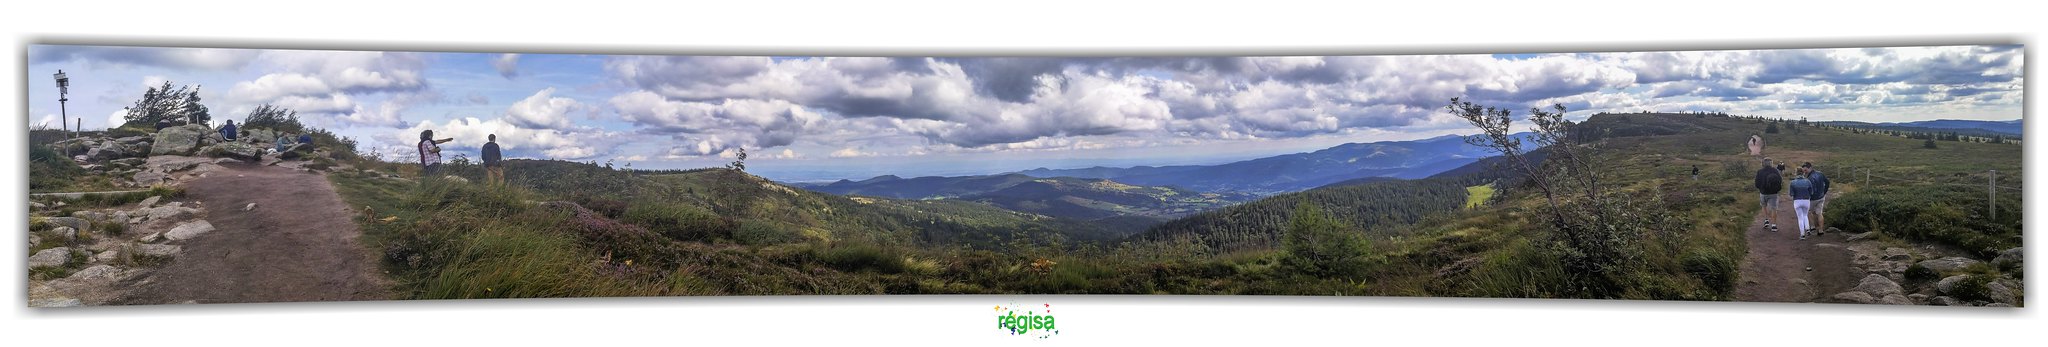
(826,118)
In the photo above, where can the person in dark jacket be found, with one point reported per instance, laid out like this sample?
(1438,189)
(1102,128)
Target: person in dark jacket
(1802,201)
(1768,183)
(306,138)
(1820,197)
(227,132)
(494,163)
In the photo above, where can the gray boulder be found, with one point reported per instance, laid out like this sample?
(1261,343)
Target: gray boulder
(1879,286)
(109,150)
(1895,299)
(189,230)
(107,256)
(1948,264)
(1948,284)
(64,233)
(180,140)
(2009,257)
(55,302)
(1854,298)
(73,222)
(95,272)
(171,212)
(237,150)
(50,257)
(149,178)
(1897,254)
(151,201)
(263,136)
(89,215)
(1946,301)
(2000,293)
(156,250)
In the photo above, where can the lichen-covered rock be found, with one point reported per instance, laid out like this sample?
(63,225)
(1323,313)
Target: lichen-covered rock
(67,234)
(1854,298)
(189,230)
(157,250)
(236,150)
(50,257)
(1879,286)
(2010,257)
(179,140)
(1895,299)
(1949,264)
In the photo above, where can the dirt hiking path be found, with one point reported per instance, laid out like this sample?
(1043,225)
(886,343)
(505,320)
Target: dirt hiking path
(1776,268)
(299,244)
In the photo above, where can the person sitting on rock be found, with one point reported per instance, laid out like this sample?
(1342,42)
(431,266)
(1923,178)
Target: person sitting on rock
(306,138)
(284,141)
(227,132)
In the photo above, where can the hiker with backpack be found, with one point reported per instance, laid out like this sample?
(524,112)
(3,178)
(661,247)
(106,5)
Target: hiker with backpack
(1819,197)
(1768,183)
(430,153)
(1802,201)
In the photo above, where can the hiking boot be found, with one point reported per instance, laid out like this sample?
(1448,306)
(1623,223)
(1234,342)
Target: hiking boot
(1802,237)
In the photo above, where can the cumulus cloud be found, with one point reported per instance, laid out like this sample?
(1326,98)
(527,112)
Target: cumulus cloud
(471,133)
(851,152)
(327,86)
(507,65)
(542,110)
(174,58)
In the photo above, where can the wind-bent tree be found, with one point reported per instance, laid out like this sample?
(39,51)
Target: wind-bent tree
(269,116)
(1593,232)
(178,106)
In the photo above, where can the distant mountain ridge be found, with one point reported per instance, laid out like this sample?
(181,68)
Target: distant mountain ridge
(1065,197)
(1300,171)
(2010,128)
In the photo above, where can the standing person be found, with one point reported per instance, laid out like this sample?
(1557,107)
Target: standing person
(227,132)
(1802,201)
(430,153)
(494,165)
(1756,145)
(1767,185)
(1820,197)
(1695,172)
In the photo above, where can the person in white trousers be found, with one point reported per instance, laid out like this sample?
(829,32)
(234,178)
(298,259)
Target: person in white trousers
(1802,201)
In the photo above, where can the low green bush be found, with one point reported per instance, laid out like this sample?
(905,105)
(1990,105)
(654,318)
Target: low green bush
(680,222)
(860,256)
(1718,271)
(1952,215)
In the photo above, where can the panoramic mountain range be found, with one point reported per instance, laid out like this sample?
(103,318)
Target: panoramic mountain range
(1171,191)
(1299,171)
(2007,128)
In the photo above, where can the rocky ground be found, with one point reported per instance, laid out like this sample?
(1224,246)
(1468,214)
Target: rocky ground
(1900,273)
(97,255)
